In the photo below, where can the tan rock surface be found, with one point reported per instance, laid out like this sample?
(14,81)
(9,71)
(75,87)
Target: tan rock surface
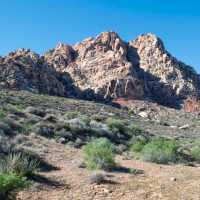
(104,68)
(26,70)
(140,69)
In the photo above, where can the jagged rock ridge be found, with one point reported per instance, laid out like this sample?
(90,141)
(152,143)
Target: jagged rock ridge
(155,60)
(104,68)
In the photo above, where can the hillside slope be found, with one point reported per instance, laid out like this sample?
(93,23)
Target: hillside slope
(37,124)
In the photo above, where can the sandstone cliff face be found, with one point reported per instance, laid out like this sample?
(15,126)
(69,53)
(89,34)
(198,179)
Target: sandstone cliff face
(25,70)
(101,65)
(104,68)
(155,60)
(112,68)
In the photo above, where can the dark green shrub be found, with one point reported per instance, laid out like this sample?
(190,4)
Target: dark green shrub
(14,125)
(27,128)
(161,150)
(116,125)
(85,119)
(99,154)
(72,114)
(67,127)
(131,113)
(10,184)
(18,164)
(45,129)
(138,144)
(5,129)
(98,118)
(195,153)
(134,130)
(78,126)
(2,114)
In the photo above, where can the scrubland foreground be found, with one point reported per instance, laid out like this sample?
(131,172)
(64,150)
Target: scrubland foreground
(56,148)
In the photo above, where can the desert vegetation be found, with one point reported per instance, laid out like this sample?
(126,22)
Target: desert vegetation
(16,170)
(101,136)
(10,184)
(99,154)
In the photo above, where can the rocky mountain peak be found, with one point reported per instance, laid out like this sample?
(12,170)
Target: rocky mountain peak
(23,55)
(150,40)
(104,42)
(106,68)
(26,70)
(60,57)
(111,40)
(102,66)
(160,64)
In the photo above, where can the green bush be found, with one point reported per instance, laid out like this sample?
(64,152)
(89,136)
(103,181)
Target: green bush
(99,154)
(138,144)
(131,113)
(78,126)
(2,114)
(195,153)
(85,119)
(18,164)
(10,184)
(116,125)
(161,150)
(27,128)
(134,130)
(98,118)
(72,114)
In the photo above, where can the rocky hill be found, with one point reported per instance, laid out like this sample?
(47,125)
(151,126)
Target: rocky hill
(104,68)
(55,131)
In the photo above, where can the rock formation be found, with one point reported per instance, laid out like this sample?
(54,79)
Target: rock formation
(104,68)
(155,60)
(25,70)
(99,64)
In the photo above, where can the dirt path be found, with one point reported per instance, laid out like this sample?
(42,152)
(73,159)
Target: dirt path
(70,182)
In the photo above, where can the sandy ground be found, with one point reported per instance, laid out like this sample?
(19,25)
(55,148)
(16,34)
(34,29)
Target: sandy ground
(70,182)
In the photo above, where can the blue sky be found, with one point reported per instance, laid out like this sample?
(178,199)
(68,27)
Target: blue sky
(41,24)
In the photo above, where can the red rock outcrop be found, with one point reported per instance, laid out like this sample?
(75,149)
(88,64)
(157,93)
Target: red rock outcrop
(105,68)
(154,59)
(100,65)
(112,68)
(25,70)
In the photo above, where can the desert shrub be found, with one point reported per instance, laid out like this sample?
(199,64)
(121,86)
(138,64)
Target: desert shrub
(18,108)
(2,114)
(98,118)
(195,153)
(134,130)
(72,114)
(77,125)
(161,150)
(18,164)
(131,113)
(35,111)
(27,128)
(99,154)
(85,119)
(45,129)
(5,129)
(99,129)
(5,144)
(10,184)
(13,125)
(137,144)
(116,125)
